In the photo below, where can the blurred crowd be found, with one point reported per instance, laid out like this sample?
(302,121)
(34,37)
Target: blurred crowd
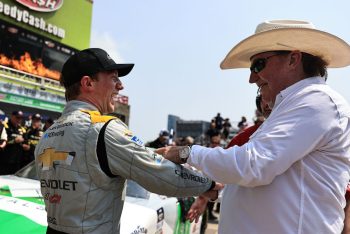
(220,128)
(19,137)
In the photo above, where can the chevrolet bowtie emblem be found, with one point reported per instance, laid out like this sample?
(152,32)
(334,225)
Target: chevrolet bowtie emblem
(49,156)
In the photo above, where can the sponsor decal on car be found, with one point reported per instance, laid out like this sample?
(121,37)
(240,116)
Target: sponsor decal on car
(160,214)
(160,220)
(139,230)
(35,212)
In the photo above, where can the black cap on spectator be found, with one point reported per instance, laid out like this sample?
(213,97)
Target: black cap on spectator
(37,116)
(17,113)
(164,133)
(89,62)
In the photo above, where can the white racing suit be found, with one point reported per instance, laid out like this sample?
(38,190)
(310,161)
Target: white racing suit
(83,161)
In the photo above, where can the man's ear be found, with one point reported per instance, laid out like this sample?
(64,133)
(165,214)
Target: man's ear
(86,83)
(295,58)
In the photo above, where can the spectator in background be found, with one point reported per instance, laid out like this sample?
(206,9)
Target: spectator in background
(218,122)
(242,124)
(227,127)
(182,141)
(11,160)
(161,141)
(3,137)
(32,138)
(189,141)
(212,131)
(28,122)
(48,124)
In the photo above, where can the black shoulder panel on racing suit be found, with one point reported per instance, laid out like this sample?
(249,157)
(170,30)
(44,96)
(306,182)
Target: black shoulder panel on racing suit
(101,152)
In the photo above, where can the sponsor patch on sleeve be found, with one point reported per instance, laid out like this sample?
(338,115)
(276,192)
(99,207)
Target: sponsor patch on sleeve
(137,140)
(157,158)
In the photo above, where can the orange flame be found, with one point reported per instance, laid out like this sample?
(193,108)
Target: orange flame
(25,63)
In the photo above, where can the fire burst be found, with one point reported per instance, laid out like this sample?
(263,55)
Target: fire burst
(26,64)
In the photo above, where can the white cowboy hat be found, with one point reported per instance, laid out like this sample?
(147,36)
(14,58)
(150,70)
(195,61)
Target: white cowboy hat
(289,35)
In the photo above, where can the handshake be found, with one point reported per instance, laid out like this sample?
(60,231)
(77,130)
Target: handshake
(176,154)
(179,155)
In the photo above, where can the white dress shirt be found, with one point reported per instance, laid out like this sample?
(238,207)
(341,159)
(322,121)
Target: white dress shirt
(292,174)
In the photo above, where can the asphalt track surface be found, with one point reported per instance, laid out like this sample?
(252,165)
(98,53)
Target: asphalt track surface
(212,226)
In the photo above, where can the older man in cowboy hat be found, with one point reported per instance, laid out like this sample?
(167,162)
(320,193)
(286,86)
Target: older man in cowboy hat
(292,174)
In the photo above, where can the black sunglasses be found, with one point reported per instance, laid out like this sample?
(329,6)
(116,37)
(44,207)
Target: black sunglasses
(259,64)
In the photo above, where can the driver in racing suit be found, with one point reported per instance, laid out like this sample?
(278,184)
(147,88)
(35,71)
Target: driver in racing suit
(85,157)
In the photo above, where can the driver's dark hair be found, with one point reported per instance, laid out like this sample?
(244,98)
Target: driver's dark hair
(73,91)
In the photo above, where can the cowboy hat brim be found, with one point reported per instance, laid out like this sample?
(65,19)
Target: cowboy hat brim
(330,48)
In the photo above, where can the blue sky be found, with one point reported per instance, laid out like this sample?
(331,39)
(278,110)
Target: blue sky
(177,47)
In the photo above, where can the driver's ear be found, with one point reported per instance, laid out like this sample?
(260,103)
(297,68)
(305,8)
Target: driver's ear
(86,82)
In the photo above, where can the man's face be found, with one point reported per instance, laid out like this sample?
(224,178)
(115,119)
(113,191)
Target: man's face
(164,140)
(268,69)
(214,141)
(106,88)
(36,123)
(16,120)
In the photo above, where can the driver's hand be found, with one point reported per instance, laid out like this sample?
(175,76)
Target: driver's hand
(197,209)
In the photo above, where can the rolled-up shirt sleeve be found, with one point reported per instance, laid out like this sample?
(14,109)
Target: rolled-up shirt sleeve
(286,137)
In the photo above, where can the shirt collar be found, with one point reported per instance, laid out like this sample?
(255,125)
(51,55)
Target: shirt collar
(297,86)
(78,105)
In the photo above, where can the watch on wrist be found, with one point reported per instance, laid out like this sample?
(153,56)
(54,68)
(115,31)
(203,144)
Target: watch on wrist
(184,153)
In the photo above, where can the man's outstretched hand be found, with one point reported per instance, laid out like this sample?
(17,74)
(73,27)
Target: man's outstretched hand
(200,204)
(171,153)
(197,209)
